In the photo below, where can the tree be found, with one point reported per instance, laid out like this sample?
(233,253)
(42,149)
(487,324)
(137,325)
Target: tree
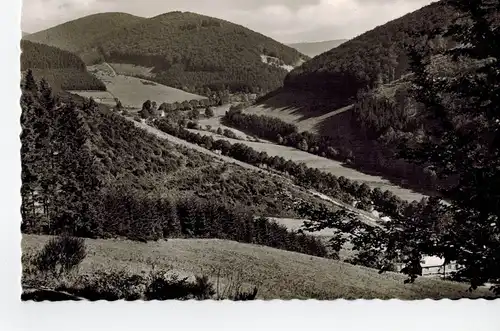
(119,106)
(464,143)
(303,145)
(194,114)
(146,109)
(209,112)
(29,81)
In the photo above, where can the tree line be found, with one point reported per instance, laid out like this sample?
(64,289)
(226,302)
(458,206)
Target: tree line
(337,187)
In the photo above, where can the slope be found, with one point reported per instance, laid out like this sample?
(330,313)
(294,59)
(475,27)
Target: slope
(278,274)
(377,56)
(62,69)
(184,50)
(79,35)
(313,49)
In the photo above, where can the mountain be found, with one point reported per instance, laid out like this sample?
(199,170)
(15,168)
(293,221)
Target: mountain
(183,49)
(377,56)
(62,69)
(24,34)
(79,36)
(313,49)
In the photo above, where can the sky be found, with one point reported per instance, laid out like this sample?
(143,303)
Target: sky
(287,21)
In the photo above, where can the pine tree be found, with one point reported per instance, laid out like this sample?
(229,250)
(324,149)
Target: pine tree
(29,81)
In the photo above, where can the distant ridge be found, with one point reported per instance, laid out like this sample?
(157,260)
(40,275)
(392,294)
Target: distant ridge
(313,49)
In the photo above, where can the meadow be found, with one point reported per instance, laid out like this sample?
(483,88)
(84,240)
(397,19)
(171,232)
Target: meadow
(132,91)
(276,273)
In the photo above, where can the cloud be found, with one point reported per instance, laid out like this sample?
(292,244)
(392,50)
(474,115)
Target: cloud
(284,20)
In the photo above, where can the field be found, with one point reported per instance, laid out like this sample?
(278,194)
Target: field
(277,273)
(132,91)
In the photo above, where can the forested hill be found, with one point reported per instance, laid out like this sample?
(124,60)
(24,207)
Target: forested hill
(377,56)
(62,69)
(185,50)
(82,33)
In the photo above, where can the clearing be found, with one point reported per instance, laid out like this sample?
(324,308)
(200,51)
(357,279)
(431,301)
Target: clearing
(278,274)
(132,91)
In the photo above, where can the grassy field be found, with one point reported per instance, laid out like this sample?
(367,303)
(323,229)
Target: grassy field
(278,274)
(293,115)
(323,164)
(132,91)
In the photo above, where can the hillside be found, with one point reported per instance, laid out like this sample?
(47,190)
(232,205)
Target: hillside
(313,49)
(182,50)
(277,274)
(80,35)
(95,174)
(377,56)
(62,69)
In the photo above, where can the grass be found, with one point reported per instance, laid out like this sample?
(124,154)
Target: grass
(132,92)
(278,274)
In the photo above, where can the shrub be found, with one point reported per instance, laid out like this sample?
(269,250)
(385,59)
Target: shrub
(60,255)
(173,287)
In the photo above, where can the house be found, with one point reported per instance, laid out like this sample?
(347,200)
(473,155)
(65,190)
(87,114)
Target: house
(434,266)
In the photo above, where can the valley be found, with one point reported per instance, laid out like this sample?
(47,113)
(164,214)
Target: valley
(165,157)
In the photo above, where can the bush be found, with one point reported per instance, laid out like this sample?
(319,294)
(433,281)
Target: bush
(60,255)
